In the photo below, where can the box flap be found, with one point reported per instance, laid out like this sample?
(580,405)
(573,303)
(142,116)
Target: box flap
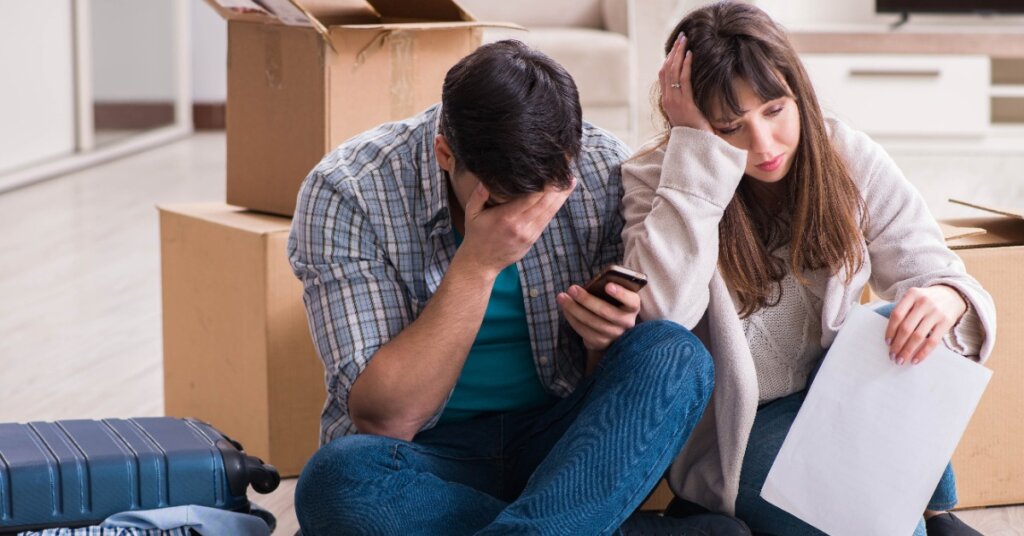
(422,10)
(999,232)
(245,10)
(347,12)
(269,11)
(322,13)
(1013,213)
(1003,227)
(399,25)
(952,232)
(328,12)
(289,12)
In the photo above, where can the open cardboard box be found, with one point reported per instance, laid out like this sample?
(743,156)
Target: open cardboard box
(305,75)
(989,461)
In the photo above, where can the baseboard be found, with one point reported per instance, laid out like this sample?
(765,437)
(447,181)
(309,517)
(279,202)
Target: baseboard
(132,115)
(209,116)
(148,115)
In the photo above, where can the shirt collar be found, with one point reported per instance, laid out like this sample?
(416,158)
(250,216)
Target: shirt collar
(434,179)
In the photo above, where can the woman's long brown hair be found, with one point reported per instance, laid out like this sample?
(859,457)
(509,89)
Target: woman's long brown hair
(820,215)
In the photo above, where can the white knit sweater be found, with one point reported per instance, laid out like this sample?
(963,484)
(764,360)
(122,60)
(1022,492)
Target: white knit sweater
(674,198)
(785,338)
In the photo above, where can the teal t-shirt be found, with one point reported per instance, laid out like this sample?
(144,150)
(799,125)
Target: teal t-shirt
(499,374)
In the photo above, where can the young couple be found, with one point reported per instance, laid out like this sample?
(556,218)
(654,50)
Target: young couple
(475,387)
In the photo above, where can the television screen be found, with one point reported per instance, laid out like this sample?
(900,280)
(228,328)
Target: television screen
(949,6)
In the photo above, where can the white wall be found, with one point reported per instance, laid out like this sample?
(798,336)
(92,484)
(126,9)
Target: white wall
(209,54)
(133,50)
(37,119)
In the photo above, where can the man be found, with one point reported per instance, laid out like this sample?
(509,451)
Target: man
(437,254)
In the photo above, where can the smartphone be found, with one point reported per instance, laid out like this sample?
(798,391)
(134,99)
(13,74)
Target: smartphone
(623,277)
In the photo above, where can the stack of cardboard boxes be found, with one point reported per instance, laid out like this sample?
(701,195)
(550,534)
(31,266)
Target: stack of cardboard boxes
(303,76)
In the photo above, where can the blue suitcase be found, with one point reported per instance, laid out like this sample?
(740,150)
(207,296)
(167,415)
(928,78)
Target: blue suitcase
(78,472)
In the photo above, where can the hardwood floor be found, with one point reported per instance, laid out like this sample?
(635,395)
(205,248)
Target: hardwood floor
(80,332)
(281,504)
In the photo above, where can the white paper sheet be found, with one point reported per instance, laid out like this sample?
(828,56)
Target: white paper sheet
(872,438)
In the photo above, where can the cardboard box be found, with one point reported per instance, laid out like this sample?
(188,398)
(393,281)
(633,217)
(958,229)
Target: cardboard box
(989,462)
(305,75)
(659,498)
(237,348)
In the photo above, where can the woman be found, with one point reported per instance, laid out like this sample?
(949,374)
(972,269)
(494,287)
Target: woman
(759,223)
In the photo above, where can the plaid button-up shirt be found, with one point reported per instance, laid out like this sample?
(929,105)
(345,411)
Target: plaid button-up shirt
(372,238)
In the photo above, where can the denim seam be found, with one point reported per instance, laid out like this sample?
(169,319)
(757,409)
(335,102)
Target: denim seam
(428,452)
(942,506)
(706,394)
(394,457)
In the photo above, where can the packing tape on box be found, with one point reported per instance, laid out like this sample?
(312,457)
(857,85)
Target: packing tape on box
(370,49)
(401,50)
(401,47)
(272,67)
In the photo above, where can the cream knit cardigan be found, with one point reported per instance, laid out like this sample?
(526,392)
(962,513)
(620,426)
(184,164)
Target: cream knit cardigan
(674,198)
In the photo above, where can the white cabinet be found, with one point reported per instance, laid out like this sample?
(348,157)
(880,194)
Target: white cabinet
(905,95)
(37,95)
(47,120)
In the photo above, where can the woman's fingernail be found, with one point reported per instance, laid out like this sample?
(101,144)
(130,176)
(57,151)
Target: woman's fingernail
(899,361)
(574,291)
(613,288)
(888,342)
(917,360)
(892,356)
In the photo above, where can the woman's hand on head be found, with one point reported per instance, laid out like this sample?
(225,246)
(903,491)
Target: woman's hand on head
(920,320)
(677,91)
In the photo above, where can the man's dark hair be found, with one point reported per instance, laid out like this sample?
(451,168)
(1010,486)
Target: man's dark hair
(512,117)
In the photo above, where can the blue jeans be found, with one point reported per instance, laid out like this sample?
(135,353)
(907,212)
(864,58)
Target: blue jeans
(771,424)
(579,466)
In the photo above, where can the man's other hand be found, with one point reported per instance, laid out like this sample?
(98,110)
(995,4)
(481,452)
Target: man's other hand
(598,322)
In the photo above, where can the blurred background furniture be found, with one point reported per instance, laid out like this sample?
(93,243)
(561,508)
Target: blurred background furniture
(611,48)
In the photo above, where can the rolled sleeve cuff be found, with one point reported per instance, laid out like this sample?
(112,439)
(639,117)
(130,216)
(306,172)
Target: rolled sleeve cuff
(967,335)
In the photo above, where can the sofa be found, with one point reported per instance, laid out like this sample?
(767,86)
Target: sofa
(611,48)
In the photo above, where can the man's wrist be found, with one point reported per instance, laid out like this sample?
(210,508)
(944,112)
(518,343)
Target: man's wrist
(467,268)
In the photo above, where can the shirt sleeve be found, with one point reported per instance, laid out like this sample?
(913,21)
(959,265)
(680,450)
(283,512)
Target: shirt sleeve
(675,196)
(906,246)
(609,163)
(354,298)
(968,333)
